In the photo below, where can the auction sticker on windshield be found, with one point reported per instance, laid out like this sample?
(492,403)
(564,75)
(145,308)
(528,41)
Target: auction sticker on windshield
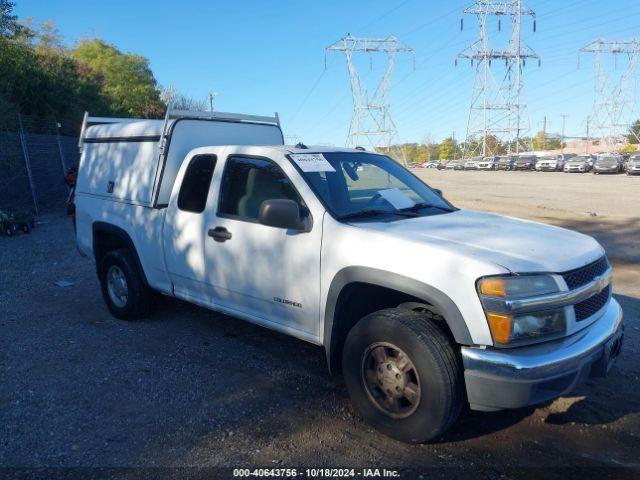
(397,198)
(312,162)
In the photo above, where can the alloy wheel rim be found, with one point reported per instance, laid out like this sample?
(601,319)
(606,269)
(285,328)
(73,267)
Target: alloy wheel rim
(391,380)
(117,286)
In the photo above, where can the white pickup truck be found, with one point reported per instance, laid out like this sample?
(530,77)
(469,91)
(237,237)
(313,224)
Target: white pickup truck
(424,307)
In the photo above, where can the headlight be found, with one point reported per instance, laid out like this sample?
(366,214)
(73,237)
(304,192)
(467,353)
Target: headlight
(510,330)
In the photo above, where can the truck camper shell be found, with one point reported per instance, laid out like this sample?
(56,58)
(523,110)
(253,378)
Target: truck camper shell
(136,161)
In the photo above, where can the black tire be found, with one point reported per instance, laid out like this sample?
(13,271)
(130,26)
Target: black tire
(438,369)
(10,231)
(26,228)
(138,294)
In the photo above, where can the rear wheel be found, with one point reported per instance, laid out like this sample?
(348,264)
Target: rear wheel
(403,374)
(123,288)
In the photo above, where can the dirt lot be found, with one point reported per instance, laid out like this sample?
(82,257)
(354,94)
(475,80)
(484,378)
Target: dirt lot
(188,387)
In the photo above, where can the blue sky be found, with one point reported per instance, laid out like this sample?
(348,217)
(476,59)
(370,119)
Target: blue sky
(263,56)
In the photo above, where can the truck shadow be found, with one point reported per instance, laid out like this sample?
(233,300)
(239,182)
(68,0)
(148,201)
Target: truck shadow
(598,401)
(472,424)
(619,239)
(605,400)
(299,379)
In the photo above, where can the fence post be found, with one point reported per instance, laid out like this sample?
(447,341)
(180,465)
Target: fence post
(64,164)
(25,153)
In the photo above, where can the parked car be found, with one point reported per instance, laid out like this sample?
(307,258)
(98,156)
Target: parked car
(525,162)
(488,163)
(506,163)
(442,165)
(608,164)
(422,306)
(580,164)
(551,163)
(633,165)
(455,165)
(472,164)
(431,164)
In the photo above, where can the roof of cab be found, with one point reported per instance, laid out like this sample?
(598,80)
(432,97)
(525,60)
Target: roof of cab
(321,149)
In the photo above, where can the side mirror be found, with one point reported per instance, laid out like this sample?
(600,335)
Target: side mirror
(438,191)
(281,213)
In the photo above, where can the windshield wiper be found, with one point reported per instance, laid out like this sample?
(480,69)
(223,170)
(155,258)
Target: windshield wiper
(421,205)
(372,213)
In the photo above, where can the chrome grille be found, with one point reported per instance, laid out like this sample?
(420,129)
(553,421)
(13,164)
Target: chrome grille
(591,305)
(583,275)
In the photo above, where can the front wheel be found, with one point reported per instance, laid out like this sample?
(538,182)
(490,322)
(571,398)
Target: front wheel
(403,374)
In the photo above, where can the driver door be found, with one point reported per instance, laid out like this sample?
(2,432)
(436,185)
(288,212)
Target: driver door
(269,274)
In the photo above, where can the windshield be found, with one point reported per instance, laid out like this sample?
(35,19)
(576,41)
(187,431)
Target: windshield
(366,185)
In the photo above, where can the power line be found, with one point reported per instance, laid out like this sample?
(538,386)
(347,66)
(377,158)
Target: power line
(306,97)
(384,15)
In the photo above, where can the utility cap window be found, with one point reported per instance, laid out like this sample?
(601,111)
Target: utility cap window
(195,186)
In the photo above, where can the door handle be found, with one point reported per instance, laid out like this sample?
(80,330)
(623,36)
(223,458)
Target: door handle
(219,234)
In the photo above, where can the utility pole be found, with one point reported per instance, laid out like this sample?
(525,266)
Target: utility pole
(212,96)
(497,108)
(588,137)
(564,118)
(371,122)
(544,132)
(614,100)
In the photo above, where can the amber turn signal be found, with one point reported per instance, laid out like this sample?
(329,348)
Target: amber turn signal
(495,287)
(500,327)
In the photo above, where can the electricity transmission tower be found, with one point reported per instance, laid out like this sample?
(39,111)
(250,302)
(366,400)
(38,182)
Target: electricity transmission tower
(371,122)
(614,103)
(497,116)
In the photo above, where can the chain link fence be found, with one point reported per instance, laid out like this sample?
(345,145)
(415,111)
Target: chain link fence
(33,160)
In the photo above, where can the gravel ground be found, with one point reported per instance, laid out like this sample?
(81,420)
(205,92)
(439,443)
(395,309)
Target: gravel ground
(188,387)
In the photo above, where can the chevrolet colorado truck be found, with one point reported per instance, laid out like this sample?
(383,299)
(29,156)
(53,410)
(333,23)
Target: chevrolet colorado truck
(423,307)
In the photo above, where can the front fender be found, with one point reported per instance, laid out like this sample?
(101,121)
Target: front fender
(431,295)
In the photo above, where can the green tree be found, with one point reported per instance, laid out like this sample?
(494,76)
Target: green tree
(633,136)
(544,141)
(448,149)
(628,148)
(171,96)
(9,25)
(126,80)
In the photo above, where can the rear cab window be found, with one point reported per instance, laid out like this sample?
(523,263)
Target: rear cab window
(195,185)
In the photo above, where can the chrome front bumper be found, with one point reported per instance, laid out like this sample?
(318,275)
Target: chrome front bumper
(513,378)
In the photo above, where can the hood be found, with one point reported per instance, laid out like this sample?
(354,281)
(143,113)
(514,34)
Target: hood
(517,245)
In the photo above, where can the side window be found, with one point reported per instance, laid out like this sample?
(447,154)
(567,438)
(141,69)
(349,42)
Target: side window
(196,182)
(247,182)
